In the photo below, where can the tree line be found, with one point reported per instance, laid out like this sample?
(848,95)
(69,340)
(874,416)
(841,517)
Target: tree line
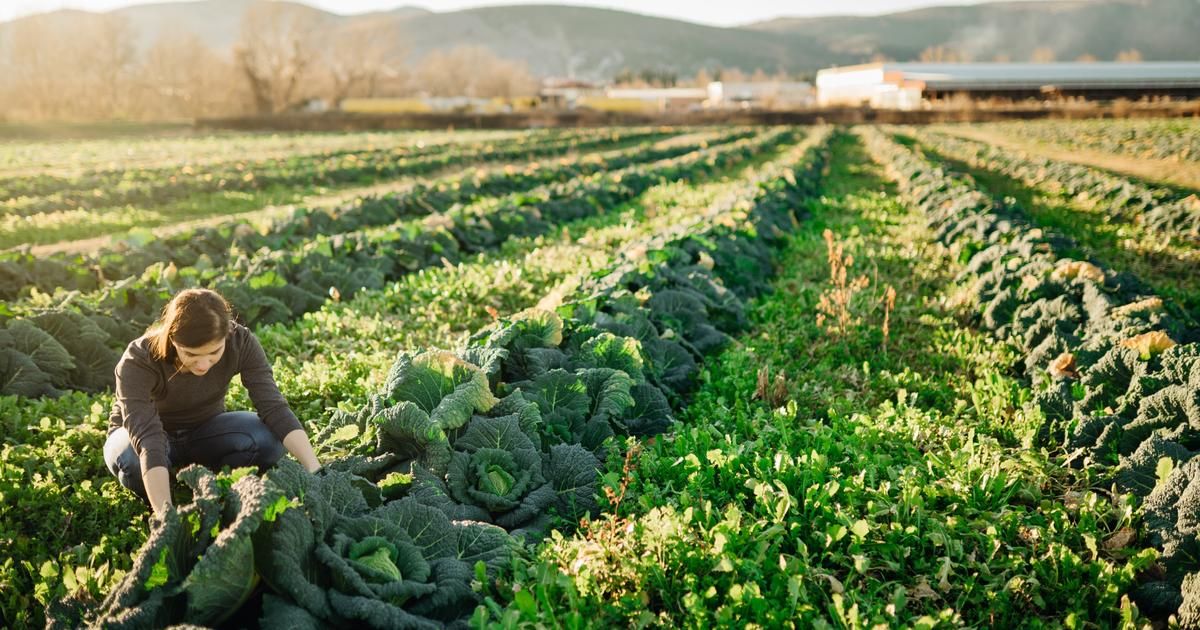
(89,67)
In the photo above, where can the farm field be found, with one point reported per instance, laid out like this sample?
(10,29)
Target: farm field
(670,377)
(1165,152)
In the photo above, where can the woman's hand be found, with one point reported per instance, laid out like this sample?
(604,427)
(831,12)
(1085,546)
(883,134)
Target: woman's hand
(298,445)
(158,489)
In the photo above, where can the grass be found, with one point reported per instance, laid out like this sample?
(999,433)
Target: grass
(1117,244)
(867,488)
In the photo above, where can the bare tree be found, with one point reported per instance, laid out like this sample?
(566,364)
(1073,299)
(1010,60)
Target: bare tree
(181,77)
(30,69)
(941,54)
(472,71)
(1042,54)
(276,52)
(1129,56)
(357,56)
(733,75)
(107,58)
(74,67)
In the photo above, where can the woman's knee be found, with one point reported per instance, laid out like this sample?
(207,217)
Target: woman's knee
(242,440)
(122,461)
(267,448)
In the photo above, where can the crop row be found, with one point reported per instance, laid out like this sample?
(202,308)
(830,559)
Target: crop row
(500,432)
(1116,375)
(91,220)
(76,344)
(1156,209)
(28,196)
(86,157)
(208,247)
(1177,139)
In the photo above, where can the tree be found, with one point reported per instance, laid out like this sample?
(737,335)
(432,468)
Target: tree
(472,71)
(1129,56)
(109,57)
(69,67)
(1086,58)
(941,54)
(1042,54)
(733,75)
(354,58)
(276,53)
(30,70)
(182,77)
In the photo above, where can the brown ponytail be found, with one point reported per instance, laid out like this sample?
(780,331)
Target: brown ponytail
(193,318)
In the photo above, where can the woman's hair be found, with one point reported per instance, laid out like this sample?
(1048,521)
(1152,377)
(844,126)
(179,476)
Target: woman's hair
(193,318)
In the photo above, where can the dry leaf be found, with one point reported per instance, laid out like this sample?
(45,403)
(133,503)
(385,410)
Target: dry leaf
(1120,539)
(760,390)
(779,393)
(1148,304)
(1149,344)
(1064,366)
(1078,269)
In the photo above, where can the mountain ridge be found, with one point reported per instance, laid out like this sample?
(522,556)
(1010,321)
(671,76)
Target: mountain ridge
(594,43)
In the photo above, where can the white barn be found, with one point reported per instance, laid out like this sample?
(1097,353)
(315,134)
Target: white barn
(910,85)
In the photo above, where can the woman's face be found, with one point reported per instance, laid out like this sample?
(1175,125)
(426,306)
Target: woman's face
(200,359)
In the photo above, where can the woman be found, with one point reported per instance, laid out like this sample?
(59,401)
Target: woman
(170,401)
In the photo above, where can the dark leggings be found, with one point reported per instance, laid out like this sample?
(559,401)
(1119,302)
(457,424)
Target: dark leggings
(233,438)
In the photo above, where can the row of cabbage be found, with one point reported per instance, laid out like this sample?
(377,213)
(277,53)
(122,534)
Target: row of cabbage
(32,195)
(1115,370)
(465,454)
(119,153)
(1167,139)
(22,272)
(76,342)
(1156,209)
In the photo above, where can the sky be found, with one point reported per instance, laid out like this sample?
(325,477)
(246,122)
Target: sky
(722,13)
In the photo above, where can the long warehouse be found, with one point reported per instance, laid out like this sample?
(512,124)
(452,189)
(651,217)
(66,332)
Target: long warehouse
(913,85)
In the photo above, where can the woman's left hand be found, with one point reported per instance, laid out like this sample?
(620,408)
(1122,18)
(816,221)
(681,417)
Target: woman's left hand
(298,445)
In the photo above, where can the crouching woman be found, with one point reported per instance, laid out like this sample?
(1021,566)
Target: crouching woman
(170,401)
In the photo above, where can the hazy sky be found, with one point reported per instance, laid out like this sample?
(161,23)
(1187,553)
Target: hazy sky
(722,13)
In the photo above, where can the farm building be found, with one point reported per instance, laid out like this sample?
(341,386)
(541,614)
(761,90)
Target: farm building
(761,95)
(648,99)
(914,85)
(565,93)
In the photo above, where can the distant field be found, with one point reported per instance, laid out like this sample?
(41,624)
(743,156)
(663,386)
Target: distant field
(55,192)
(724,376)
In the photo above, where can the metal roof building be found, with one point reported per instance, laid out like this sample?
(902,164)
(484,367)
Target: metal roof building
(908,85)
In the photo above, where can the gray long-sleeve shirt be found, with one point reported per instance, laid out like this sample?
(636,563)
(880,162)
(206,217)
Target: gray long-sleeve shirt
(151,398)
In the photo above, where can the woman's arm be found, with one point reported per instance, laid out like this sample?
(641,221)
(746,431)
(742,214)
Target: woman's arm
(272,407)
(135,379)
(298,445)
(158,489)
